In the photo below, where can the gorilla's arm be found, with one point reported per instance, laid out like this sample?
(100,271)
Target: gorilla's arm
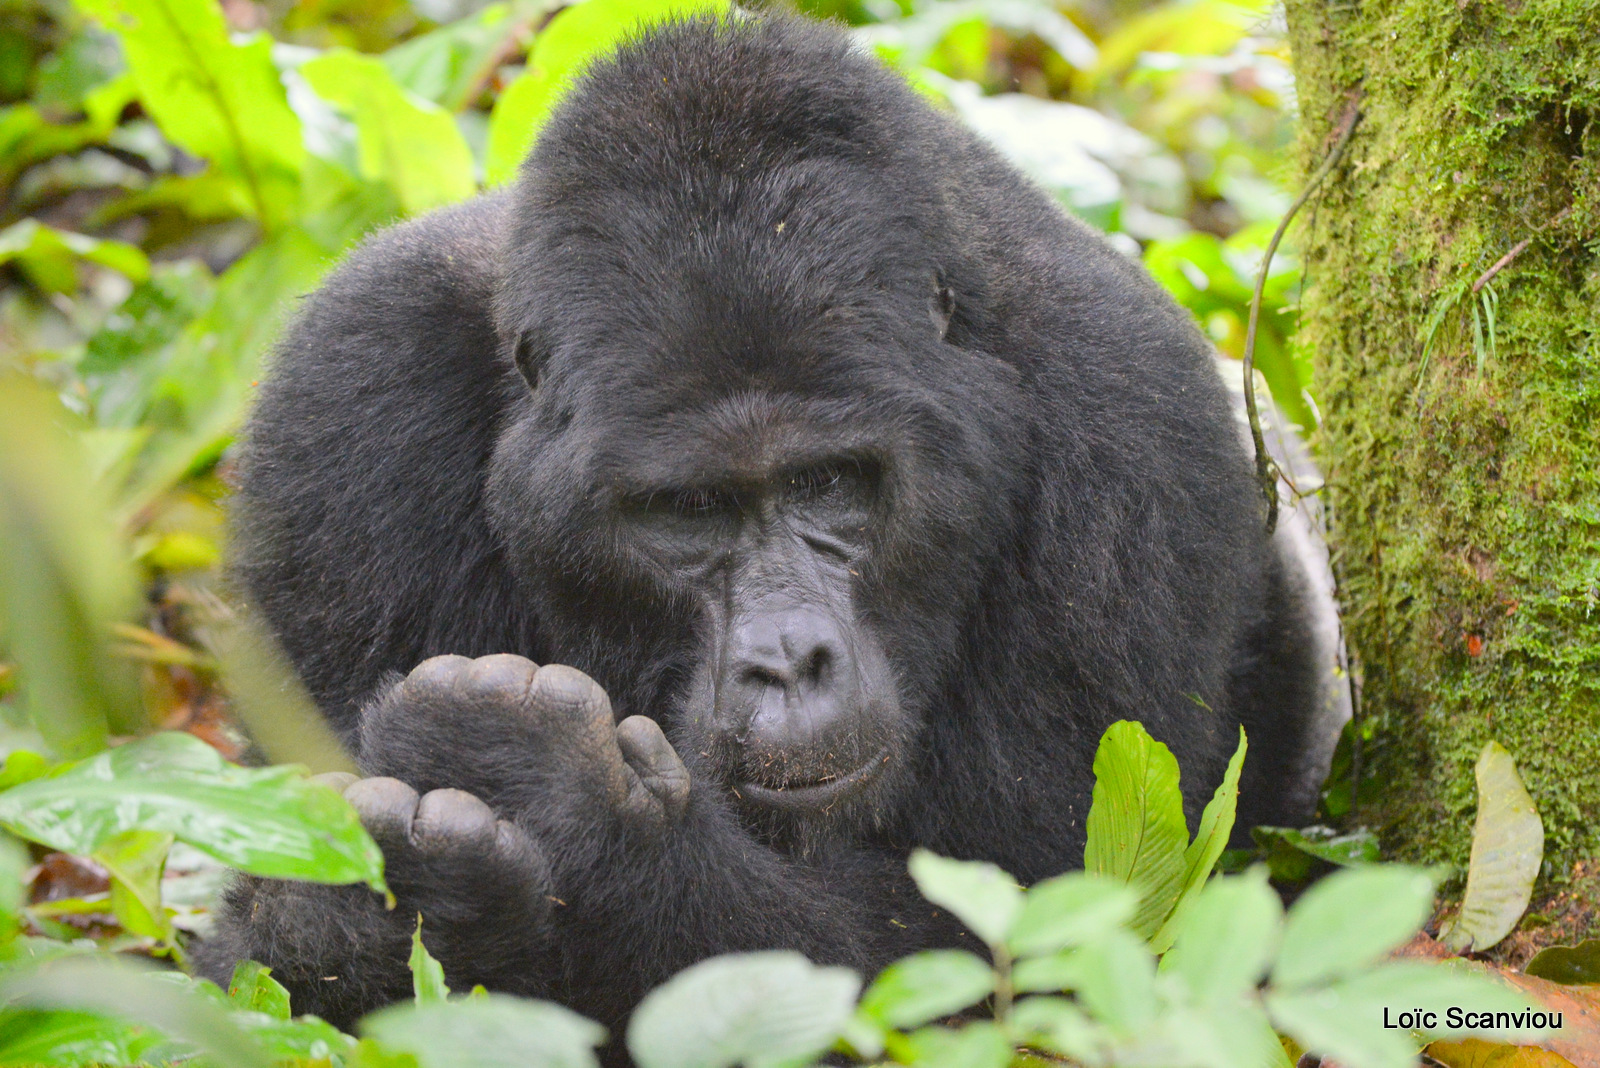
(359,527)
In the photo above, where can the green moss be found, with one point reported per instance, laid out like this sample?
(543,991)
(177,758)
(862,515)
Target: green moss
(1465,488)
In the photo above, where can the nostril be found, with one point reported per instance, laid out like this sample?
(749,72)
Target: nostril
(760,676)
(818,668)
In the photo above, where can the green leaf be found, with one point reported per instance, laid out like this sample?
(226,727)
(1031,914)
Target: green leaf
(409,142)
(1350,919)
(496,1031)
(1567,964)
(49,257)
(571,40)
(219,100)
(14,860)
(1507,849)
(304,1039)
(1070,910)
(1346,1020)
(45,1039)
(447,65)
(927,986)
(65,577)
(22,766)
(134,860)
(1216,824)
(978,1045)
(1058,1025)
(167,1001)
(1225,941)
(1289,853)
(427,974)
(267,821)
(979,894)
(1136,832)
(1219,1035)
(252,988)
(1116,982)
(751,1009)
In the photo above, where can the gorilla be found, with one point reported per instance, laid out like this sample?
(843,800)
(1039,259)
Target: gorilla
(861,487)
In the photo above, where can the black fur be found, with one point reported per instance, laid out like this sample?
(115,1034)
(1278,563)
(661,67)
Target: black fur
(739,248)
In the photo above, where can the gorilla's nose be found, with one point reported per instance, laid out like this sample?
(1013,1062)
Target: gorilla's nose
(792,684)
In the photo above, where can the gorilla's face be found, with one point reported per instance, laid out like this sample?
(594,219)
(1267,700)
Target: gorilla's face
(756,486)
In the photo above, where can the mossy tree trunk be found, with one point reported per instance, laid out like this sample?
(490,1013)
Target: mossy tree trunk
(1452,309)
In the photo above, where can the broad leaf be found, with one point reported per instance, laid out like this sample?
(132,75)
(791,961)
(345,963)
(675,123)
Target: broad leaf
(267,821)
(1567,964)
(49,257)
(220,100)
(1058,1025)
(41,1038)
(927,986)
(1349,920)
(979,894)
(494,1031)
(134,860)
(759,1010)
(253,989)
(978,1045)
(171,1003)
(1069,910)
(405,140)
(1226,939)
(1216,824)
(1116,982)
(1507,849)
(1136,830)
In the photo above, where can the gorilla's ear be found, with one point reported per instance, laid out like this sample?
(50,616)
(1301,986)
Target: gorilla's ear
(941,306)
(529,356)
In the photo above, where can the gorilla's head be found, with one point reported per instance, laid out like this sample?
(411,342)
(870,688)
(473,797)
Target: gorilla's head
(765,460)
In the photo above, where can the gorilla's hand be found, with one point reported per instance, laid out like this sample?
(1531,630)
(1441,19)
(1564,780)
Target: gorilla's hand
(532,741)
(437,843)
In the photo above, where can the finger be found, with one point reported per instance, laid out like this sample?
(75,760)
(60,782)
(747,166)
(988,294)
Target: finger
(386,806)
(658,767)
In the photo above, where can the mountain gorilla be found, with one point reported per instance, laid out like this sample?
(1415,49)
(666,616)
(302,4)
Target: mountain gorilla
(862,487)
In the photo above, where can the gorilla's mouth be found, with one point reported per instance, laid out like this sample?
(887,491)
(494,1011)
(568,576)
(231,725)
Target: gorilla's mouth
(820,794)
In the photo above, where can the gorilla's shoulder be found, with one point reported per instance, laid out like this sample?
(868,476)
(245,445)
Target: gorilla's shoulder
(401,278)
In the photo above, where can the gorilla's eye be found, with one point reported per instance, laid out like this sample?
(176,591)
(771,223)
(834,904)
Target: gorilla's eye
(815,481)
(703,501)
(832,480)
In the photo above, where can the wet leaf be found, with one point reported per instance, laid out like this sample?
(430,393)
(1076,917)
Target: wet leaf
(267,821)
(1507,848)
(167,1001)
